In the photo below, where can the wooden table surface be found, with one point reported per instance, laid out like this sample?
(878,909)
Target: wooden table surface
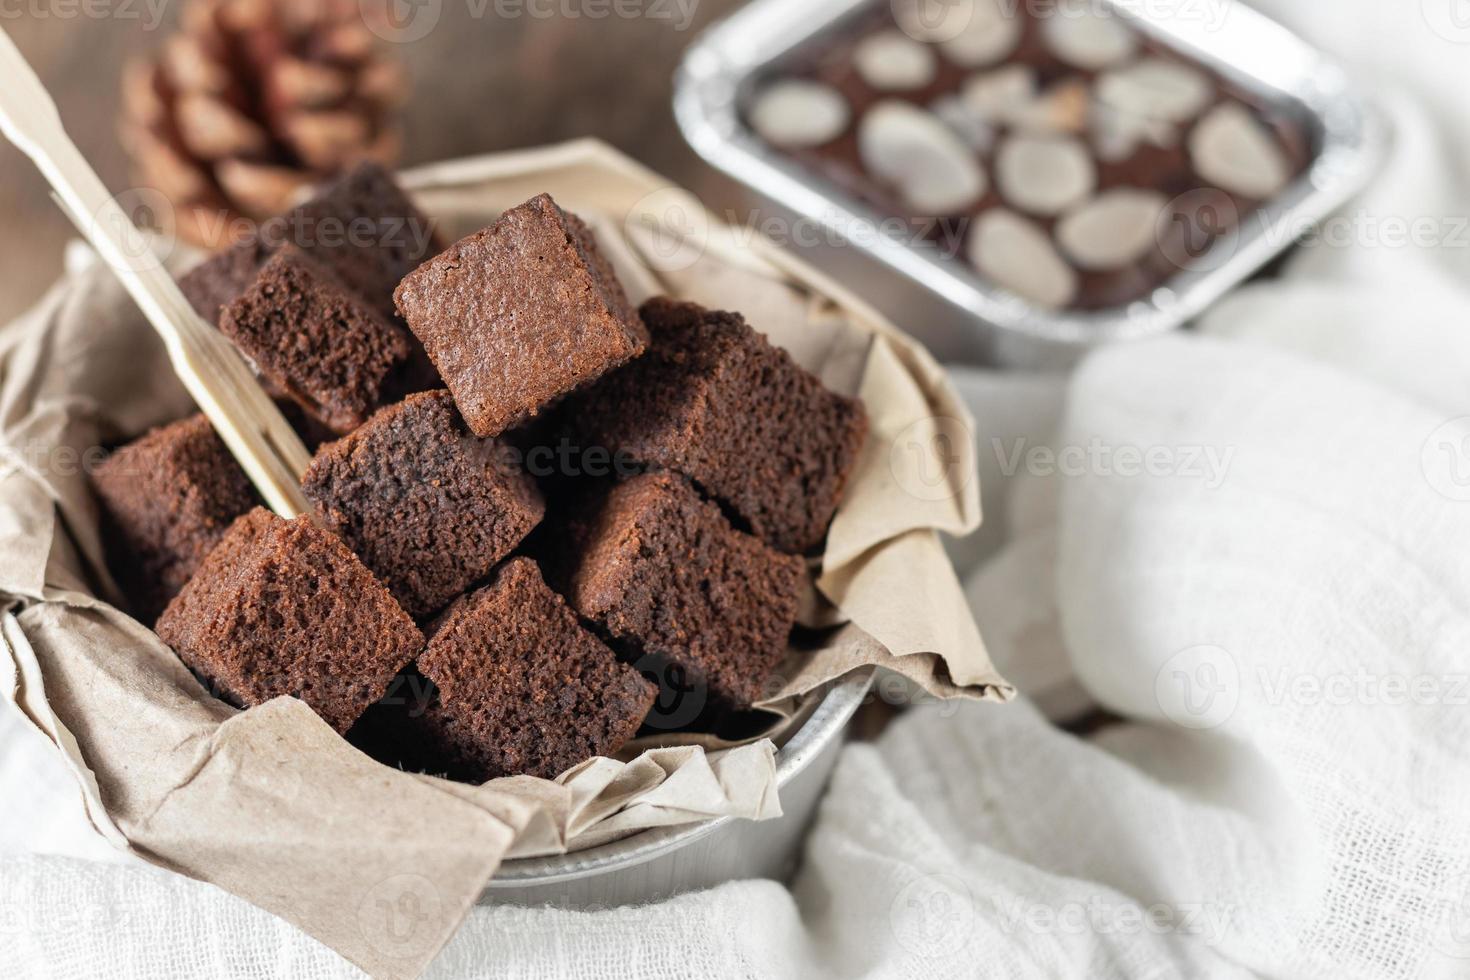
(491,75)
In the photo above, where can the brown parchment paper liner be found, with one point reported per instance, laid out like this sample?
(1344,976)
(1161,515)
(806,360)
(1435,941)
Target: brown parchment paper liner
(270,804)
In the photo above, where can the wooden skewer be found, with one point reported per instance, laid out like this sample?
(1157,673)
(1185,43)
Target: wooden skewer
(214,373)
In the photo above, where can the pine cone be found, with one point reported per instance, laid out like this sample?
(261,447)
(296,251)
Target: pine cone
(251,101)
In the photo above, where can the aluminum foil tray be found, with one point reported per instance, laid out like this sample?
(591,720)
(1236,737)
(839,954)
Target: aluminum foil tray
(940,298)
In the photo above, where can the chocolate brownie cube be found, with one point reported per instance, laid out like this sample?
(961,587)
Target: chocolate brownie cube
(223,277)
(517,315)
(661,569)
(428,507)
(314,340)
(714,400)
(523,687)
(169,497)
(283,608)
(362,227)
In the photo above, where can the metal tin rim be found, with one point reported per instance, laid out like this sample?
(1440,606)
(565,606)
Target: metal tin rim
(1354,136)
(826,723)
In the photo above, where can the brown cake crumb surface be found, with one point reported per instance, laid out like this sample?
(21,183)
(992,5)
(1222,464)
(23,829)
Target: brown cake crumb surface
(662,569)
(517,315)
(361,226)
(223,277)
(428,507)
(314,340)
(523,687)
(283,608)
(365,229)
(716,401)
(169,498)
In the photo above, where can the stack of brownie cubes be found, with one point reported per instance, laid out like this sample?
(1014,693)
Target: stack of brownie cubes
(531,612)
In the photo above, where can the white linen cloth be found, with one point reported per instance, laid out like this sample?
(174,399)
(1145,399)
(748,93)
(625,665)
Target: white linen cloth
(1252,543)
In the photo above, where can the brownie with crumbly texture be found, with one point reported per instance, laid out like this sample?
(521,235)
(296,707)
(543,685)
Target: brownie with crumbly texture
(428,507)
(518,315)
(523,687)
(660,568)
(715,400)
(365,229)
(283,608)
(169,497)
(223,277)
(362,227)
(314,340)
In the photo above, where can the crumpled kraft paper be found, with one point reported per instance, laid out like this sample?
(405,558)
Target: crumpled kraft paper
(270,804)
